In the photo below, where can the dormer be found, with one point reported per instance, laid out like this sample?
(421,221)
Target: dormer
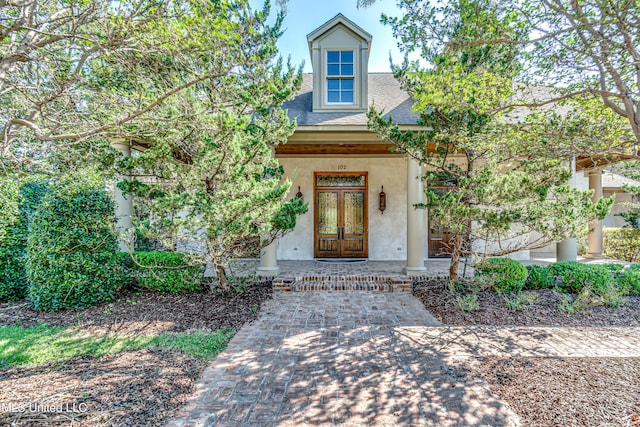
(339,56)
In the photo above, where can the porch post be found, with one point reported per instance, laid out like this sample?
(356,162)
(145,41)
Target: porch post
(123,204)
(567,250)
(269,254)
(595,244)
(269,260)
(416,227)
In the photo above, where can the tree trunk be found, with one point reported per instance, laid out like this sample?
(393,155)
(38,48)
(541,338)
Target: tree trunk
(223,281)
(455,258)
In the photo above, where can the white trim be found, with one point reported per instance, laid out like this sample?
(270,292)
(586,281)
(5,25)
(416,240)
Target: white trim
(362,127)
(338,19)
(354,77)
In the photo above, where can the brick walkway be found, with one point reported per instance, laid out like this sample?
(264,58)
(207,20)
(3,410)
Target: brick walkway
(367,358)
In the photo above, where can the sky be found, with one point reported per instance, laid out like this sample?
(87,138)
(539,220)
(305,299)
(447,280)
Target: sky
(304,16)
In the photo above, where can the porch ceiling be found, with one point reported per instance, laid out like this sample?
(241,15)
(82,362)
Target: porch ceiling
(335,149)
(585,162)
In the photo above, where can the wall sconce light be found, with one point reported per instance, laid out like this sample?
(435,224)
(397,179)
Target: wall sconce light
(382,200)
(299,194)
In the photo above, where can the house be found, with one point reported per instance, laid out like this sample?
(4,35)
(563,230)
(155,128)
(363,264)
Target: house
(341,167)
(361,194)
(344,170)
(612,183)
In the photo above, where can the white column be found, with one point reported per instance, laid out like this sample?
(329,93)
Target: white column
(567,250)
(268,261)
(595,244)
(269,254)
(416,226)
(123,204)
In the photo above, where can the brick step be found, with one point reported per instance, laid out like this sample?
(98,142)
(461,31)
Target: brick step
(341,286)
(343,278)
(393,284)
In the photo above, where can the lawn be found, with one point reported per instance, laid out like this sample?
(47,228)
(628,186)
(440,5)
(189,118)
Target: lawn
(43,344)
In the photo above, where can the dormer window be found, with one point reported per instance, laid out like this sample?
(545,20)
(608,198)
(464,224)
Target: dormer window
(340,77)
(340,54)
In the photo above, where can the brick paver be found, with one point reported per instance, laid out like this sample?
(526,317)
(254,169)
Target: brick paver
(342,358)
(480,341)
(371,358)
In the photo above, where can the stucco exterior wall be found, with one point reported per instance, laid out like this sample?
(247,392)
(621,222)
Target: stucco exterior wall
(387,231)
(612,220)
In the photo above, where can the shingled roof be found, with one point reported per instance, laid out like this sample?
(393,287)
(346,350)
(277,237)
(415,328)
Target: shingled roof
(385,94)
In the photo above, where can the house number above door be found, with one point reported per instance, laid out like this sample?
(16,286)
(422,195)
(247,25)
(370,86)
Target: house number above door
(342,167)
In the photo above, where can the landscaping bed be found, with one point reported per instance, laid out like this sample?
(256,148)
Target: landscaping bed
(566,391)
(549,391)
(132,388)
(143,382)
(545,311)
(150,312)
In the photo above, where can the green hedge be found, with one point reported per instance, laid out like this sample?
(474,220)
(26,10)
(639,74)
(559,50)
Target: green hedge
(20,201)
(12,277)
(166,272)
(538,278)
(72,259)
(628,279)
(622,243)
(573,276)
(505,274)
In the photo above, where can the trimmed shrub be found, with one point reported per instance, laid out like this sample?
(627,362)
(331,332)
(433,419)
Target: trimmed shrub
(166,272)
(628,281)
(19,202)
(538,277)
(572,276)
(622,243)
(126,263)
(72,259)
(613,268)
(505,274)
(12,277)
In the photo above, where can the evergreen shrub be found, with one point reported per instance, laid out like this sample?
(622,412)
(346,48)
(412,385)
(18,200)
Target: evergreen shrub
(628,281)
(19,201)
(505,274)
(538,277)
(622,243)
(72,259)
(572,276)
(166,272)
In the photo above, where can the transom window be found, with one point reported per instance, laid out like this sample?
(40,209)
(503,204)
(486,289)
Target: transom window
(340,76)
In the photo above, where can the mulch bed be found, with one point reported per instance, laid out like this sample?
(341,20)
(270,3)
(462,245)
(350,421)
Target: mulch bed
(148,312)
(558,392)
(549,392)
(544,312)
(132,388)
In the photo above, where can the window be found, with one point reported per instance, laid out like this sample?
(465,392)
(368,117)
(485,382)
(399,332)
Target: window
(340,76)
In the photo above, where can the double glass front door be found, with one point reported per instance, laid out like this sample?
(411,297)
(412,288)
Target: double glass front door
(341,215)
